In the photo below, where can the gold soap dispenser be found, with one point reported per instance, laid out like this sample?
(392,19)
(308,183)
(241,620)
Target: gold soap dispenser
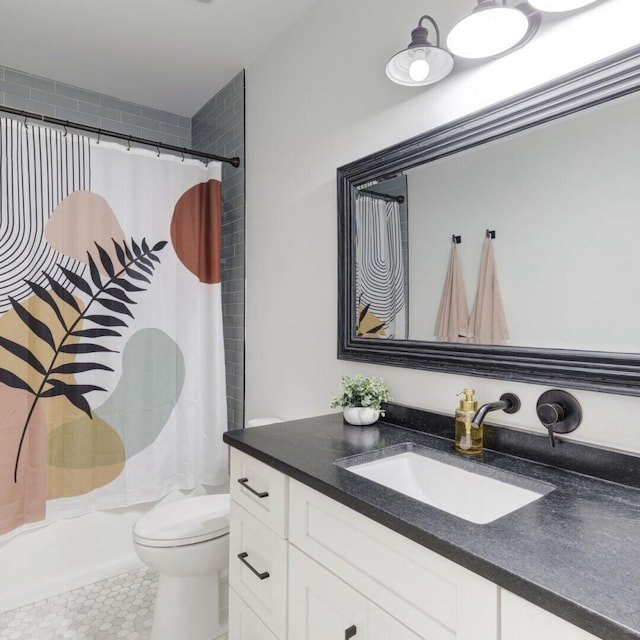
(468,439)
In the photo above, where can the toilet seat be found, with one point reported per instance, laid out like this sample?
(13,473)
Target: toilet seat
(184,522)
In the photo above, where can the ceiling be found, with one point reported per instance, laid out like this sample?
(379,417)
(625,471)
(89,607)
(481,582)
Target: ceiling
(172,55)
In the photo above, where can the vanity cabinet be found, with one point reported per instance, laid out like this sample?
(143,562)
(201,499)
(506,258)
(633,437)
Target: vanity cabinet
(258,550)
(522,620)
(305,567)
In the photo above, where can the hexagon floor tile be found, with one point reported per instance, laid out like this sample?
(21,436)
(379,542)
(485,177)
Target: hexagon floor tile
(117,608)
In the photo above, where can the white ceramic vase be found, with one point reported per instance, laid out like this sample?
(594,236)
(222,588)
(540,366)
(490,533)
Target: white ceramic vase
(360,416)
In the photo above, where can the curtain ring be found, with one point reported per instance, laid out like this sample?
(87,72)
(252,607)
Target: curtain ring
(183,155)
(26,126)
(99,133)
(129,143)
(158,149)
(64,126)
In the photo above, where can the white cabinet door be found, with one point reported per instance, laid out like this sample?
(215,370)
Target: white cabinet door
(258,568)
(244,624)
(522,620)
(322,607)
(383,627)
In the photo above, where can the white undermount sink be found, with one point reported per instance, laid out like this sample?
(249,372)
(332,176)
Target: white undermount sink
(473,496)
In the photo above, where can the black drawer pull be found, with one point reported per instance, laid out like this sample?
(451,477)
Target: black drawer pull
(260,494)
(350,632)
(263,576)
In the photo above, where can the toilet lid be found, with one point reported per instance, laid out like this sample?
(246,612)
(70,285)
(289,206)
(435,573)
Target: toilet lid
(184,522)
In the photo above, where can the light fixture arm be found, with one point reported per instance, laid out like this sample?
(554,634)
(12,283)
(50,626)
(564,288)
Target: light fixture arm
(420,34)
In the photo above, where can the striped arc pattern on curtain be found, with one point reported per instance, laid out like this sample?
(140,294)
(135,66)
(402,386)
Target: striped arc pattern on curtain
(380,277)
(39,167)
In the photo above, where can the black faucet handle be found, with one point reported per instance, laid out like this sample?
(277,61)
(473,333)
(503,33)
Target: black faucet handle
(559,412)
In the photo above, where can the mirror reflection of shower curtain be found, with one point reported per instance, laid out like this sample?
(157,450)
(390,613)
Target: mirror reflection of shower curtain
(380,272)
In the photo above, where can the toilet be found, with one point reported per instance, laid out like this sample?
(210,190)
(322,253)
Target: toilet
(187,543)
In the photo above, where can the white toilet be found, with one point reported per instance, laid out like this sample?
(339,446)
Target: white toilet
(187,543)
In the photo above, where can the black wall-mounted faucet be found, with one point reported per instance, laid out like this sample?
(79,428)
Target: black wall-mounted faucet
(509,403)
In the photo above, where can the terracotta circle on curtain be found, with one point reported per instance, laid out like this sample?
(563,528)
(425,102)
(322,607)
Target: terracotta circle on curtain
(196,230)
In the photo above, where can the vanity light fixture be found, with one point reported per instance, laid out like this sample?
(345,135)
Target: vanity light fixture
(490,29)
(421,63)
(559,5)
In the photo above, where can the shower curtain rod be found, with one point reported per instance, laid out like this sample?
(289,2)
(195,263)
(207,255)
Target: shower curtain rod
(384,196)
(28,115)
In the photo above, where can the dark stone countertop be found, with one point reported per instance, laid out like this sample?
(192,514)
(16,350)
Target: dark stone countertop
(575,551)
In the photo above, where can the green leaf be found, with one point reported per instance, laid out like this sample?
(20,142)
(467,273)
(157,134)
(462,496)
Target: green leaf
(115,306)
(76,280)
(62,293)
(79,367)
(106,321)
(85,347)
(23,353)
(106,260)
(44,295)
(12,380)
(37,326)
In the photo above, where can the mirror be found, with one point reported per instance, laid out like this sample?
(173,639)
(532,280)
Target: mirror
(565,226)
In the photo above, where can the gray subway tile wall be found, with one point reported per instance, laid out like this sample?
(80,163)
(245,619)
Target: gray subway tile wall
(20,90)
(218,128)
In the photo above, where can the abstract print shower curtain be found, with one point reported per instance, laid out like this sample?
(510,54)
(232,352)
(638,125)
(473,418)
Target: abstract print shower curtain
(380,274)
(112,384)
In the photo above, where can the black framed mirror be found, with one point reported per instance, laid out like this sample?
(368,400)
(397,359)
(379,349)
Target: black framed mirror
(611,368)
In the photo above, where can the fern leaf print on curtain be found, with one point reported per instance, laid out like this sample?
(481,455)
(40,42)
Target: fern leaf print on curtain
(97,406)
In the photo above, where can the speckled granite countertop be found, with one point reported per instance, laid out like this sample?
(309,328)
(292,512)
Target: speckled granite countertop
(574,552)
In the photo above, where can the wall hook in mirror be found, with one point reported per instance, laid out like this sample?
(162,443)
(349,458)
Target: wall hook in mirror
(491,233)
(456,239)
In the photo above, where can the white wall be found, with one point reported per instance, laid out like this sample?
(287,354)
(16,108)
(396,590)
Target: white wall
(319,99)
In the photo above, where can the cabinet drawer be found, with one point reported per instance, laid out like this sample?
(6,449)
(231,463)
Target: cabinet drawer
(434,597)
(261,490)
(258,568)
(243,623)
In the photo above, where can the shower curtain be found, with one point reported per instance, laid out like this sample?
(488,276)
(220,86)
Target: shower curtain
(112,382)
(380,277)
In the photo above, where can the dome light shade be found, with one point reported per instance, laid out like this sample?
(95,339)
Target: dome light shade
(488,31)
(559,5)
(421,63)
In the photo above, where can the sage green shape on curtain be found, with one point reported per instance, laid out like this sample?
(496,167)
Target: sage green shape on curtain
(152,379)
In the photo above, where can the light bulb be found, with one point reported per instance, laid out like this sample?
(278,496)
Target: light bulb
(487,32)
(419,69)
(559,5)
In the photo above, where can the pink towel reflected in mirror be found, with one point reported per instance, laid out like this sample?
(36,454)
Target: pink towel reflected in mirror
(453,315)
(487,323)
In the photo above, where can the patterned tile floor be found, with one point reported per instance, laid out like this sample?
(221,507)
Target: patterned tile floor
(119,607)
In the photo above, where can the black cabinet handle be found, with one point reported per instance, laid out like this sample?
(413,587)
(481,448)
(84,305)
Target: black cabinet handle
(260,494)
(350,632)
(263,576)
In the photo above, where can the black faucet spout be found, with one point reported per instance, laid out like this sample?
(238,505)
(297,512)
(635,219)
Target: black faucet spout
(509,403)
